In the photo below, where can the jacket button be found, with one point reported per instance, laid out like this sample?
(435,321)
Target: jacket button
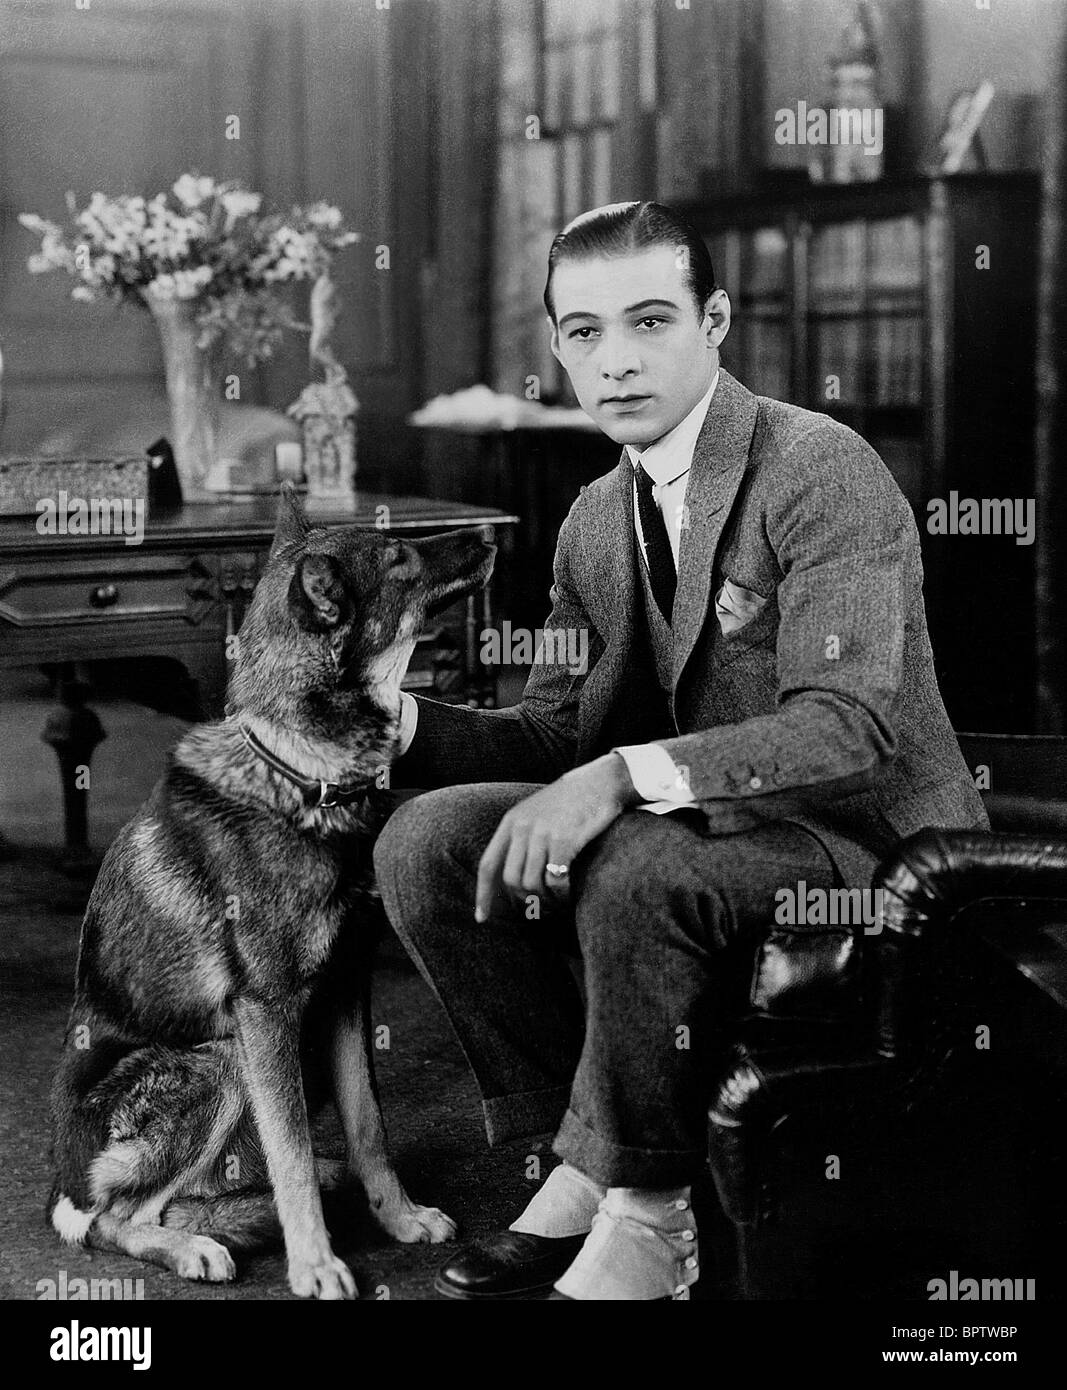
(755,783)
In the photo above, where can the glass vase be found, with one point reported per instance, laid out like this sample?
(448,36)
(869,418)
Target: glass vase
(193,391)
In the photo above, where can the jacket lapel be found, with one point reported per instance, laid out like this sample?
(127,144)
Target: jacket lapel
(719,461)
(621,575)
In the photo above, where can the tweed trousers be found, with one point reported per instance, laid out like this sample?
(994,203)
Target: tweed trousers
(599,1020)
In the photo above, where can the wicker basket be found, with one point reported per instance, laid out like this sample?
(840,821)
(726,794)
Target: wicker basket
(25,482)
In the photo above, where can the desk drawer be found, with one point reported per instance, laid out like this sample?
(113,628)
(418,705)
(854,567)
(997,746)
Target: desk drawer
(105,589)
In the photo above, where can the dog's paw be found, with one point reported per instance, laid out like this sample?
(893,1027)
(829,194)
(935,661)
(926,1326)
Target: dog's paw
(328,1278)
(203,1258)
(412,1224)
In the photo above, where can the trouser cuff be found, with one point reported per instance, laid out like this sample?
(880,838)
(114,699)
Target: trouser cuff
(524,1114)
(613,1165)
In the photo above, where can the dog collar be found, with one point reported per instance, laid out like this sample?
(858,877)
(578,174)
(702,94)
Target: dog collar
(317,793)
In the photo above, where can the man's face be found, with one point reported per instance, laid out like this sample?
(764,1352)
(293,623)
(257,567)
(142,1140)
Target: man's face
(629,335)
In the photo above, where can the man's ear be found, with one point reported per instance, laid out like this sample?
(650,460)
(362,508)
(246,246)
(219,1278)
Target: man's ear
(553,341)
(317,597)
(717,317)
(291,528)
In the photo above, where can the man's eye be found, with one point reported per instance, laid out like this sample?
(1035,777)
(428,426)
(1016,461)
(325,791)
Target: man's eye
(580,333)
(651,322)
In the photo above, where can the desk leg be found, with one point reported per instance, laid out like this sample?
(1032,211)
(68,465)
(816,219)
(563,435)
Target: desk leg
(74,730)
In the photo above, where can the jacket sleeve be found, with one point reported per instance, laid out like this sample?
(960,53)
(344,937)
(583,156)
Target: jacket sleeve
(533,741)
(847,549)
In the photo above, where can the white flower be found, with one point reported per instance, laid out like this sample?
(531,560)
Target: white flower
(88,221)
(168,235)
(37,224)
(183,284)
(191,191)
(162,287)
(238,202)
(101,270)
(292,255)
(53,255)
(325,216)
(83,293)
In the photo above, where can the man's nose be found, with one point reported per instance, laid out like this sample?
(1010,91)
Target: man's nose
(618,360)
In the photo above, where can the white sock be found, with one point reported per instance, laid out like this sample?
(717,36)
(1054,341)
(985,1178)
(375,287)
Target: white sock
(564,1205)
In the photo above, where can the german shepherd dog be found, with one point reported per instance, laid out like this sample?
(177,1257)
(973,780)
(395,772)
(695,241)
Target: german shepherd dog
(223,977)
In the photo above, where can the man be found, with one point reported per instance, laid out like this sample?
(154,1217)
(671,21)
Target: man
(759,709)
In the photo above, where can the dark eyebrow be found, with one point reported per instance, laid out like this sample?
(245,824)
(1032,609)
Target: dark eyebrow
(630,309)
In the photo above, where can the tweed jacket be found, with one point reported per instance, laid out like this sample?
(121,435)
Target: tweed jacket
(821,708)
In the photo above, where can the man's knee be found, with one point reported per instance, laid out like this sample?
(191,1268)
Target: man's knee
(416,833)
(446,825)
(628,863)
(640,884)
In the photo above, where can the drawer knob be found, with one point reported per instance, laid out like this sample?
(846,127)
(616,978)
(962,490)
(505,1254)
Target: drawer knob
(103,596)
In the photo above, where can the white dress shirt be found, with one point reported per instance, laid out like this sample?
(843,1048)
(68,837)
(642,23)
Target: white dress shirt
(667,461)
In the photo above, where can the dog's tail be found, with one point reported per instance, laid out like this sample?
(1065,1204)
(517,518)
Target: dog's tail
(238,1220)
(80,1129)
(68,1221)
(81,1116)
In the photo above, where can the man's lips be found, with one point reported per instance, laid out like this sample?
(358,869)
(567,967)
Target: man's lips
(625,400)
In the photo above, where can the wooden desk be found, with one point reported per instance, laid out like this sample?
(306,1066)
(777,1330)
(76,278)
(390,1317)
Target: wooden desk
(180,594)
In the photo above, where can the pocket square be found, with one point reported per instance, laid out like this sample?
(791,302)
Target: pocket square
(735,606)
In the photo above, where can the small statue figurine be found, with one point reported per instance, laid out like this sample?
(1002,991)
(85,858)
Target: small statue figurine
(326,410)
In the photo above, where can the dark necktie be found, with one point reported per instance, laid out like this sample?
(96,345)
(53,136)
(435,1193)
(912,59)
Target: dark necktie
(657,546)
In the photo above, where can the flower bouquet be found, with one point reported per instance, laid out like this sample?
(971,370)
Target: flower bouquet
(211,268)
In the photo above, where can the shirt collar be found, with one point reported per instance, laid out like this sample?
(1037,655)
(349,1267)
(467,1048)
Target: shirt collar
(672,454)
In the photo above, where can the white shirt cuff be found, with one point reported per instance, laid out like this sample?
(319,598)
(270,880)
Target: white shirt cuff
(656,777)
(409,718)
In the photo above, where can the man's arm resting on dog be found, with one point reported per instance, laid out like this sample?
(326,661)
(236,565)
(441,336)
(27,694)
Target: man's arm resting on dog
(533,741)
(651,768)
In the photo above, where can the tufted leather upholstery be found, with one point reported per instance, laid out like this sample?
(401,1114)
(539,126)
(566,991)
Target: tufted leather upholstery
(842,1018)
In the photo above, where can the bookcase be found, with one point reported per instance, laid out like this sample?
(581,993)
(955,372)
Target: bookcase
(906,309)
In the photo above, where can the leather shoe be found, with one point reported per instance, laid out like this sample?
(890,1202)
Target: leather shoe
(508,1264)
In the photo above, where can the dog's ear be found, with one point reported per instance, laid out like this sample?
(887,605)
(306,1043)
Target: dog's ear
(291,527)
(317,596)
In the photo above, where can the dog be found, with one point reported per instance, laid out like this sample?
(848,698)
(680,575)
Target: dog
(223,970)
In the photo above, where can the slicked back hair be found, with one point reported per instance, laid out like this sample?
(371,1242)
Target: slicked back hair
(619,229)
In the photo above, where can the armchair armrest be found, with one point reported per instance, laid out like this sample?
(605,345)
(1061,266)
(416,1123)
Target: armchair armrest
(805,1032)
(933,876)
(820,1033)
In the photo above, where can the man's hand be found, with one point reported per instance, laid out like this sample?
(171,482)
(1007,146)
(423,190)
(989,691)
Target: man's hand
(551,827)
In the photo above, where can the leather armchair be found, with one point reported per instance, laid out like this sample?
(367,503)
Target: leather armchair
(845,1027)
